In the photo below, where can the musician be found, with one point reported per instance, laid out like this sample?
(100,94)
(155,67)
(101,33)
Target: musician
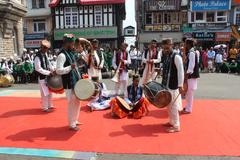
(135,99)
(151,58)
(44,68)
(66,66)
(95,60)
(121,61)
(101,102)
(173,77)
(192,74)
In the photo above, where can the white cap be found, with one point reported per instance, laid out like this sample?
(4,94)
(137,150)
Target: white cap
(36,50)
(24,50)
(31,52)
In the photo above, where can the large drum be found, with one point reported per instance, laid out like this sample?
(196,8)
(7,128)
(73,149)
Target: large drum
(157,94)
(123,104)
(55,84)
(6,80)
(86,89)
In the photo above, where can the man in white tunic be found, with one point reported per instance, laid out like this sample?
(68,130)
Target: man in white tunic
(44,68)
(95,61)
(121,62)
(173,78)
(151,58)
(192,74)
(66,66)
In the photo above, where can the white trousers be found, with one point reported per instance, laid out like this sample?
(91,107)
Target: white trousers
(192,86)
(73,108)
(124,85)
(46,97)
(173,108)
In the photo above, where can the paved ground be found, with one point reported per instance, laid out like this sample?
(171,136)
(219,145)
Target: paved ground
(211,86)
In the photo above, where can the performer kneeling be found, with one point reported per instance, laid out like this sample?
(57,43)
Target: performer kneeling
(138,105)
(101,102)
(66,66)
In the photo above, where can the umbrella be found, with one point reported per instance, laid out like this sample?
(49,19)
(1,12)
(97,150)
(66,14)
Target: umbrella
(219,45)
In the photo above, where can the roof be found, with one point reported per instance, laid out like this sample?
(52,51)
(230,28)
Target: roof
(54,3)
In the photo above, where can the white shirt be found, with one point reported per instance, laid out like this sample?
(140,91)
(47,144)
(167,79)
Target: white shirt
(180,70)
(114,61)
(191,64)
(157,60)
(219,58)
(133,54)
(38,67)
(60,69)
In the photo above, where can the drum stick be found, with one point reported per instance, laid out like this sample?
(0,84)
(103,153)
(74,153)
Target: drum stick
(176,98)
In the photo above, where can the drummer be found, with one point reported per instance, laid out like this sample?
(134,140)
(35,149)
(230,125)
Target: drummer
(173,78)
(44,69)
(101,102)
(138,104)
(66,66)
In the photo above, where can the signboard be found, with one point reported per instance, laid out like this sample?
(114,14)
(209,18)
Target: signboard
(223,36)
(209,5)
(32,43)
(129,31)
(89,33)
(34,36)
(204,36)
(164,28)
(162,5)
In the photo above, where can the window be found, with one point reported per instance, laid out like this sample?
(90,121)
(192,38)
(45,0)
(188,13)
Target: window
(199,16)
(98,15)
(39,26)
(157,18)
(167,18)
(238,19)
(210,17)
(192,17)
(15,40)
(221,16)
(175,18)
(71,17)
(38,4)
(149,18)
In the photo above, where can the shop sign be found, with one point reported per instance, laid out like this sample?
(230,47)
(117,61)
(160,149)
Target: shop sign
(210,5)
(162,5)
(34,36)
(32,43)
(89,33)
(223,36)
(205,36)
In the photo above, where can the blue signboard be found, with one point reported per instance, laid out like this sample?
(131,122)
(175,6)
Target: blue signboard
(34,36)
(206,5)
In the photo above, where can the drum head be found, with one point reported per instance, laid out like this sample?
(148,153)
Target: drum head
(123,104)
(151,89)
(162,99)
(84,89)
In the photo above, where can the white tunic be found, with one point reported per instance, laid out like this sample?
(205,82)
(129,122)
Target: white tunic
(147,74)
(93,71)
(192,83)
(124,74)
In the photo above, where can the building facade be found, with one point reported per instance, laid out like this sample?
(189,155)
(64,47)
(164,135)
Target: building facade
(11,34)
(100,19)
(209,21)
(37,23)
(159,19)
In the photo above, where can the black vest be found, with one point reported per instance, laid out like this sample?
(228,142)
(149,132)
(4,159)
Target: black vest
(195,73)
(99,53)
(173,80)
(157,65)
(68,79)
(44,64)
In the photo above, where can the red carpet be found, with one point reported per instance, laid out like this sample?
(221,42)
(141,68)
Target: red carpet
(213,129)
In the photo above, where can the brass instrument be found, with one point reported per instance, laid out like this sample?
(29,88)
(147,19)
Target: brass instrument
(116,77)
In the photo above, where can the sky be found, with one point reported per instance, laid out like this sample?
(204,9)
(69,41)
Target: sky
(130,19)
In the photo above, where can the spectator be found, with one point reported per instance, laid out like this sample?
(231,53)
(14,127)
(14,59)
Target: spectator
(133,56)
(232,54)
(211,57)
(218,61)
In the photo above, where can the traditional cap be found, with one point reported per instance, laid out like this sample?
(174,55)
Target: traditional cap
(69,37)
(167,41)
(46,43)
(95,78)
(36,50)
(95,41)
(31,52)
(11,57)
(4,58)
(154,40)
(19,59)
(24,50)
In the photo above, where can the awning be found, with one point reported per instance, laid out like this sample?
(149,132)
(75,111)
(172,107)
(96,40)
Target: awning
(54,3)
(89,2)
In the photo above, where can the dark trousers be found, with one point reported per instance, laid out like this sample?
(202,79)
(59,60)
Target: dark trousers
(218,66)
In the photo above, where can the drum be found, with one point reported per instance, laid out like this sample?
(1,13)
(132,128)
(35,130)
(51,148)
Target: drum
(55,84)
(123,104)
(86,89)
(157,94)
(6,80)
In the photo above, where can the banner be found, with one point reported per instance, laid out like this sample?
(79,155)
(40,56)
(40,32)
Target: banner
(209,5)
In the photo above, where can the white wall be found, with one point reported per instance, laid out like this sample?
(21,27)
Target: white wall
(37,12)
